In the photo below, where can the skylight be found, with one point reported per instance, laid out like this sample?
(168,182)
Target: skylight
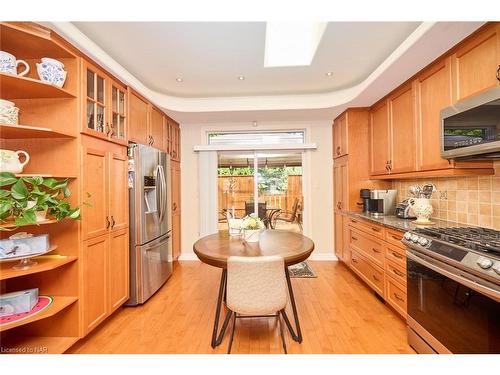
(292,43)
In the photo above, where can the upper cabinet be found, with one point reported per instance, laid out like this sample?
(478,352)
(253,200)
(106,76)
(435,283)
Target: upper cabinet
(156,128)
(476,63)
(433,93)
(379,139)
(340,136)
(104,105)
(138,119)
(402,129)
(175,135)
(405,127)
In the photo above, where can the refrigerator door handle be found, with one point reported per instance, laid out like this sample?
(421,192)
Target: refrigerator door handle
(158,192)
(163,194)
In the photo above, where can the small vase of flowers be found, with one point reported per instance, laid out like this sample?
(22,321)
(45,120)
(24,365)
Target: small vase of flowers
(252,226)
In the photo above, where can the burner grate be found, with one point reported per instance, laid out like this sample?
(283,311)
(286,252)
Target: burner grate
(474,238)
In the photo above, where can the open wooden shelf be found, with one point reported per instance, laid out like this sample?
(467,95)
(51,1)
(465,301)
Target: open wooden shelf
(45,263)
(8,225)
(59,304)
(37,344)
(43,175)
(15,87)
(30,41)
(28,131)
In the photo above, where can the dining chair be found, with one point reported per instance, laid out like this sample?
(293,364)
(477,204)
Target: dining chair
(256,288)
(290,216)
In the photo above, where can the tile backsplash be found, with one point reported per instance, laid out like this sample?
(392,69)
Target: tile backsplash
(468,200)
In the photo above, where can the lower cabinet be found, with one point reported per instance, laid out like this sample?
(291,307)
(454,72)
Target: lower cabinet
(378,257)
(105,269)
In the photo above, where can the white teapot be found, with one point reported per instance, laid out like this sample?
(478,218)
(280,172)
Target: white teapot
(9,161)
(422,208)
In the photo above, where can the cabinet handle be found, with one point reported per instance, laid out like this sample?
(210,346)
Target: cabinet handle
(353,221)
(398,297)
(152,141)
(354,238)
(107,222)
(396,238)
(338,150)
(375,278)
(375,250)
(338,205)
(107,129)
(112,221)
(174,206)
(396,255)
(498,73)
(375,229)
(400,274)
(354,260)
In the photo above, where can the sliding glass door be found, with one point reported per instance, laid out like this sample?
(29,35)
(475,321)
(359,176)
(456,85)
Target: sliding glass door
(266,183)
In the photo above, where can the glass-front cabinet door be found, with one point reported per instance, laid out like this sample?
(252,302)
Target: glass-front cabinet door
(118,112)
(96,119)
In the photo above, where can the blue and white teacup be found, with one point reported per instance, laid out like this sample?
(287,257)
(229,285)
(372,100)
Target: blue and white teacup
(8,64)
(51,71)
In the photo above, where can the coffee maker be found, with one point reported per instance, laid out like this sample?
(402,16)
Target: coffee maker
(382,202)
(364,194)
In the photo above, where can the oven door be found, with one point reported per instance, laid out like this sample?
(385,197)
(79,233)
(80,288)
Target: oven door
(458,312)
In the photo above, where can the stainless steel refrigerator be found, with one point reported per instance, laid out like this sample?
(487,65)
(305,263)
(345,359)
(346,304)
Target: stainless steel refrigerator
(150,226)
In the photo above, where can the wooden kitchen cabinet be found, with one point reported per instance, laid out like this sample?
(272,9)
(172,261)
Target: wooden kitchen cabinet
(118,190)
(340,136)
(402,155)
(156,128)
(118,269)
(340,176)
(475,63)
(339,235)
(175,152)
(94,275)
(104,105)
(138,119)
(380,138)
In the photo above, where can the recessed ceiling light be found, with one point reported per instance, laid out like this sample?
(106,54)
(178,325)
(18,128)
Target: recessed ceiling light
(241,78)
(328,74)
(179,79)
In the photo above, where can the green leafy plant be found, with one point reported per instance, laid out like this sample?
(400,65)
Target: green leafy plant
(22,197)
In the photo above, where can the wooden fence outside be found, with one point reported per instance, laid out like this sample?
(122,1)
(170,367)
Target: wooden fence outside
(243,192)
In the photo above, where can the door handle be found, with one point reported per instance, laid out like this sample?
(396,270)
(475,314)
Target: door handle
(107,222)
(112,222)
(338,150)
(498,73)
(400,274)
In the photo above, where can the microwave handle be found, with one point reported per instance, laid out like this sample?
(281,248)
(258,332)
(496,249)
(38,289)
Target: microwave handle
(492,293)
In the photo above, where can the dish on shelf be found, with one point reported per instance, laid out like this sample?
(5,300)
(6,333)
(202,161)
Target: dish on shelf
(24,260)
(43,303)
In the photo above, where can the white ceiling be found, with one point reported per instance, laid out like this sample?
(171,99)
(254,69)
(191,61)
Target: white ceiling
(210,56)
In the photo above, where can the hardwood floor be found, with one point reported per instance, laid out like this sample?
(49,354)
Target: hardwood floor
(338,314)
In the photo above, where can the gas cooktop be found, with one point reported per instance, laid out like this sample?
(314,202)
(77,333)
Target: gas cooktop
(473,238)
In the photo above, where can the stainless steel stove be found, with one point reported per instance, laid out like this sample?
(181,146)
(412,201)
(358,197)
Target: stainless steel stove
(453,282)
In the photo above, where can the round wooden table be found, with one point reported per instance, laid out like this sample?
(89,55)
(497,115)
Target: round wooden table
(215,249)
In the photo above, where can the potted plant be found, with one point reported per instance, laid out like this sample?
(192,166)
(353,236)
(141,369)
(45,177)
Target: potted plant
(27,200)
(252,225)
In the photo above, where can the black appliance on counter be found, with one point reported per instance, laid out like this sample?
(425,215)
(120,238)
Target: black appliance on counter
(453,285)
(364,194)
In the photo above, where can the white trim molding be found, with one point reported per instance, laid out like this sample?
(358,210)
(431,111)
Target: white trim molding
(274,147)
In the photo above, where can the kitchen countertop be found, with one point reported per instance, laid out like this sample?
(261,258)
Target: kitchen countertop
(404,225)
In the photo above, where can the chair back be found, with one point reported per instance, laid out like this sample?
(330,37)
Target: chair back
(256,285)
(249,209)
(295,208)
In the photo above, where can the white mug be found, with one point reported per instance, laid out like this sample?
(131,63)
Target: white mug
(8,64)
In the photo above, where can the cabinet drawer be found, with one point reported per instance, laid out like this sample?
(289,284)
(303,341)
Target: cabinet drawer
(396,255)
(394,237)
(371,274)
(395,295)
(367,245)
(373,229)
(395,271)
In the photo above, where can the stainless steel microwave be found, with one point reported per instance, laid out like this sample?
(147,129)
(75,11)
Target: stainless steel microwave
(471,129)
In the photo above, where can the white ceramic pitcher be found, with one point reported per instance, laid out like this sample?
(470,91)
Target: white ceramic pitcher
(8,64)
(422,208)
(9,161)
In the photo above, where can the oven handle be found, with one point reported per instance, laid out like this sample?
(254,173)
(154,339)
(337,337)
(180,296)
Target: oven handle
(492,293)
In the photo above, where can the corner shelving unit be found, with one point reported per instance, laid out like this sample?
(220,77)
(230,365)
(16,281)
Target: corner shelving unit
(50,118)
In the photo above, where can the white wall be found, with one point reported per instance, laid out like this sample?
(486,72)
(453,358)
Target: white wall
(318,189)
